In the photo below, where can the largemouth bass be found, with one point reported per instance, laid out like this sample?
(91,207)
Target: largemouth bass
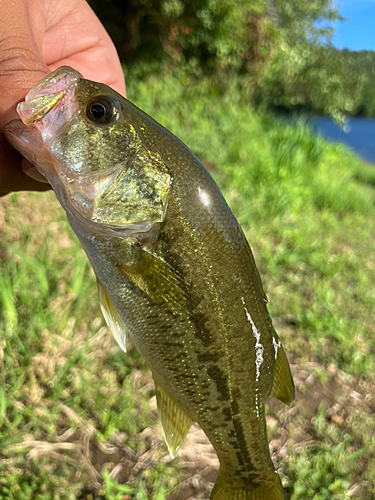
(175,272)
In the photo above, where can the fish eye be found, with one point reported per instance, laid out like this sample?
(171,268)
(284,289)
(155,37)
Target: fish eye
(100,110)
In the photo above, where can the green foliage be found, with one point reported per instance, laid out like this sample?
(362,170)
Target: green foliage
(312,78)
(37,481)
(275,167)
(321,472)
(115,491)
(278,49)
(304,70)
(213,33)
(361,66)
(50,358)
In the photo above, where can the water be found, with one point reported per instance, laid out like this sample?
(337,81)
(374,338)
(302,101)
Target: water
(359,134)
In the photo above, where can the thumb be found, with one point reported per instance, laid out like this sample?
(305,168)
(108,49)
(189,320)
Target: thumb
(21,63)
(22,25)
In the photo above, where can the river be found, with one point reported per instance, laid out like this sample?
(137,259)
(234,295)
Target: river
(358,134)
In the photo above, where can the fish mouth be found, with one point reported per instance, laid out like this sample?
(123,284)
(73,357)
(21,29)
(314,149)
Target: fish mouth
(45,110)
(47,94)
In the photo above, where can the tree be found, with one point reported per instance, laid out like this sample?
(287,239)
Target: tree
(279,50)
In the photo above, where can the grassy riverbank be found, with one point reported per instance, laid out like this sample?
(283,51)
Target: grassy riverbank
(75,412)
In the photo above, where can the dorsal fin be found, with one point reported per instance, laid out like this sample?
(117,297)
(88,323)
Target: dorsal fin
(254,267)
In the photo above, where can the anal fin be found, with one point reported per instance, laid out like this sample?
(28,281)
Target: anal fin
(175,422)
(113,319)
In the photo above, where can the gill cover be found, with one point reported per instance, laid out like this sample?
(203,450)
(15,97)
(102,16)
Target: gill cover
(78,135)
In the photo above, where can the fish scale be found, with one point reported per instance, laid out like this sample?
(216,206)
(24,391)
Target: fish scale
(174,269)
(228,435)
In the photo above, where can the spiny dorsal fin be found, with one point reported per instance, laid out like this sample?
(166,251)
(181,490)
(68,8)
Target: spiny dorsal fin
(113,320)
(175,422)
(254,267)
(163,284)
(283,387)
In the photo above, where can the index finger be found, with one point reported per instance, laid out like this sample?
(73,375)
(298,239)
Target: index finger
(75,37)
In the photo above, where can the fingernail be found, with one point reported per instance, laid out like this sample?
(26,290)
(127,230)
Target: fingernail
(34,174)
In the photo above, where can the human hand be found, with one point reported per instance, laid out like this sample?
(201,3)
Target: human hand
(36,37)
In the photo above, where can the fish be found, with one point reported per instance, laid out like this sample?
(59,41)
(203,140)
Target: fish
(175,273)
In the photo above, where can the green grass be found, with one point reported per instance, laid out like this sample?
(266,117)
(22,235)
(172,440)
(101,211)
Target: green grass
(66,390)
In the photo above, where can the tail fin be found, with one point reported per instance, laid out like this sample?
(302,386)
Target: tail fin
(267,491)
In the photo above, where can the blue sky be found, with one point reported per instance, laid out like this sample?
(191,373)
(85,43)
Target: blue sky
(359,31)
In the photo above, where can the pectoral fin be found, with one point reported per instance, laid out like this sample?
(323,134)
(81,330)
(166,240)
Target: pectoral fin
(113,320)
(162,283)
(175,422)
(283,386)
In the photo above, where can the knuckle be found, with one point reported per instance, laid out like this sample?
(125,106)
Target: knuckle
(19,58)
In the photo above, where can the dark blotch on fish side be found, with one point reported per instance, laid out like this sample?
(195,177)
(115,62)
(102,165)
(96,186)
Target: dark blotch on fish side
(221,381)
(202,333)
